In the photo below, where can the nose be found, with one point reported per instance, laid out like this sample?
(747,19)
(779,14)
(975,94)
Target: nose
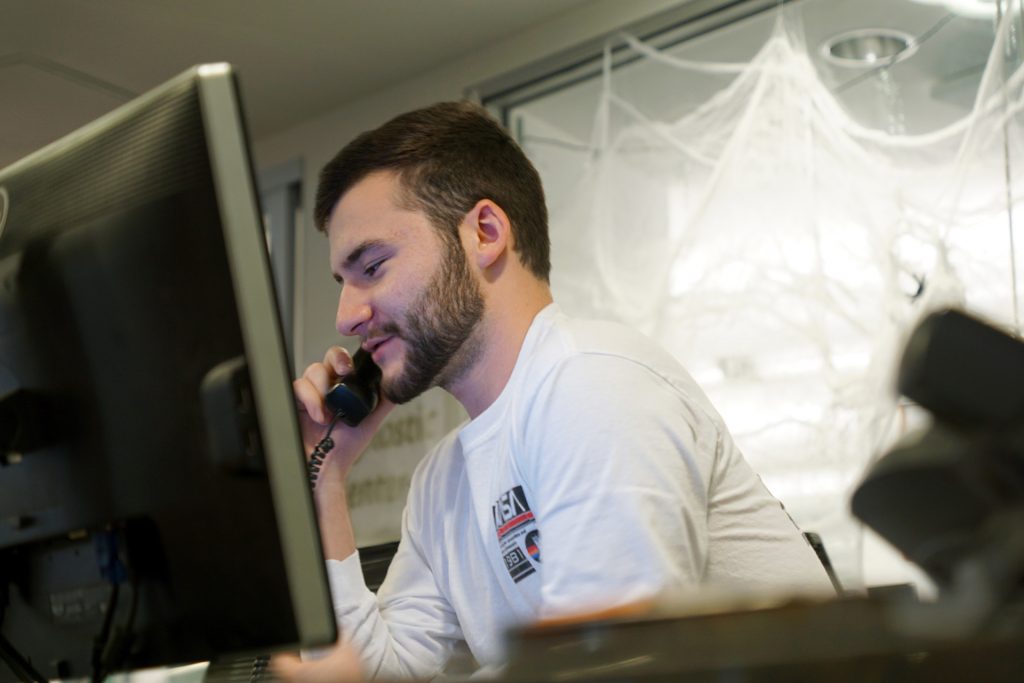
(354,312)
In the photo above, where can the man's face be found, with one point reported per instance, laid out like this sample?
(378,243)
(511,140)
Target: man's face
(406,291)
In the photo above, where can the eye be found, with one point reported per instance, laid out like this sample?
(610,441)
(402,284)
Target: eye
(372,268)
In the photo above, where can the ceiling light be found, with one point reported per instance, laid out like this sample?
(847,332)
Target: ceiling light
(868,47)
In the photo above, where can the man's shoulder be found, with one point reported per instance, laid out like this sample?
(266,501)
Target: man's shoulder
(582,362)
(441,462)
(571,341)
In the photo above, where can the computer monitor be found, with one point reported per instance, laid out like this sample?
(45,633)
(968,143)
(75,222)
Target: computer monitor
(154,504)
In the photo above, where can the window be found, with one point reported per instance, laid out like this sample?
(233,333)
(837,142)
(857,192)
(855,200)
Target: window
(280,195)
(777,193)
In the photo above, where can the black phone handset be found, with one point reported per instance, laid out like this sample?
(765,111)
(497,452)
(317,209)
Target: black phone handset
(356,396)
(350,400)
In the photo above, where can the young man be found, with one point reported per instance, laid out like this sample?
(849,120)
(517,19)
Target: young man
(592,472)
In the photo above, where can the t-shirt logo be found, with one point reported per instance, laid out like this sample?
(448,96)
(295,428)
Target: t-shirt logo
(518,537)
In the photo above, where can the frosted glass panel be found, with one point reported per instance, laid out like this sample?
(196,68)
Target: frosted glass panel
(780,221)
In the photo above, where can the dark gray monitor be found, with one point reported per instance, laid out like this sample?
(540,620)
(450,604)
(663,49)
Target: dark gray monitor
(154,506)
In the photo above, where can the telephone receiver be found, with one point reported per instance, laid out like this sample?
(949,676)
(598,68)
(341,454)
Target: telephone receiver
(357,394)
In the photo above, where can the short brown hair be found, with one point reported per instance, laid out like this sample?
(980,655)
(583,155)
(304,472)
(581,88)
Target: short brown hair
(448,157)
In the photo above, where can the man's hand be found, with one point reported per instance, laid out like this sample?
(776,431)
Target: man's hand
(340,665)
(314,416)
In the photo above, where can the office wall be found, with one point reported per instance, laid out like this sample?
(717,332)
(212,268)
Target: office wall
(381,479)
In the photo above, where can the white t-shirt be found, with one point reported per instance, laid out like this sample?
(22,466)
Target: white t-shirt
(601,476)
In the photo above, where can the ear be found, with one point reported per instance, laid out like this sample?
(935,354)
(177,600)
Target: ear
(489,232)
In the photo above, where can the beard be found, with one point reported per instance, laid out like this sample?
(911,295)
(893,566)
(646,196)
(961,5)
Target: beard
(437,329)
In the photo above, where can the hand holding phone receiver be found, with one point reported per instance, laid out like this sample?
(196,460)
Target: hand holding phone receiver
(355,397)
(348,401)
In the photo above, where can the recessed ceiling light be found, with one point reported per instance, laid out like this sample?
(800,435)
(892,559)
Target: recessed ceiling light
(868,47)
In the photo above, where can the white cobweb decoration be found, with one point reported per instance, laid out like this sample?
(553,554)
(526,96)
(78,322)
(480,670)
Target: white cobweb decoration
(783,252)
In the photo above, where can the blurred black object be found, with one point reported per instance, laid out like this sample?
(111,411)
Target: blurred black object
(951,496)
(964,371)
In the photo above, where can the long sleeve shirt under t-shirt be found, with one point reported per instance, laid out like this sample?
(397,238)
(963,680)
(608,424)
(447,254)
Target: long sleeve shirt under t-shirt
(601,476)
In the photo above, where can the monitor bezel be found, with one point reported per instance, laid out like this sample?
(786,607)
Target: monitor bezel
(262,337)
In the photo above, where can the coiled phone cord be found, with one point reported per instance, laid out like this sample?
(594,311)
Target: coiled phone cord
(316,458)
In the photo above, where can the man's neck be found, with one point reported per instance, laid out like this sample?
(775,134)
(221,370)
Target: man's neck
(502,333)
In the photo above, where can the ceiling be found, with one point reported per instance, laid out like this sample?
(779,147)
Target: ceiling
(66,62)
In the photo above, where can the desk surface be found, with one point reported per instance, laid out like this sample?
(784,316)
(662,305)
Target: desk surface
(842,640)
